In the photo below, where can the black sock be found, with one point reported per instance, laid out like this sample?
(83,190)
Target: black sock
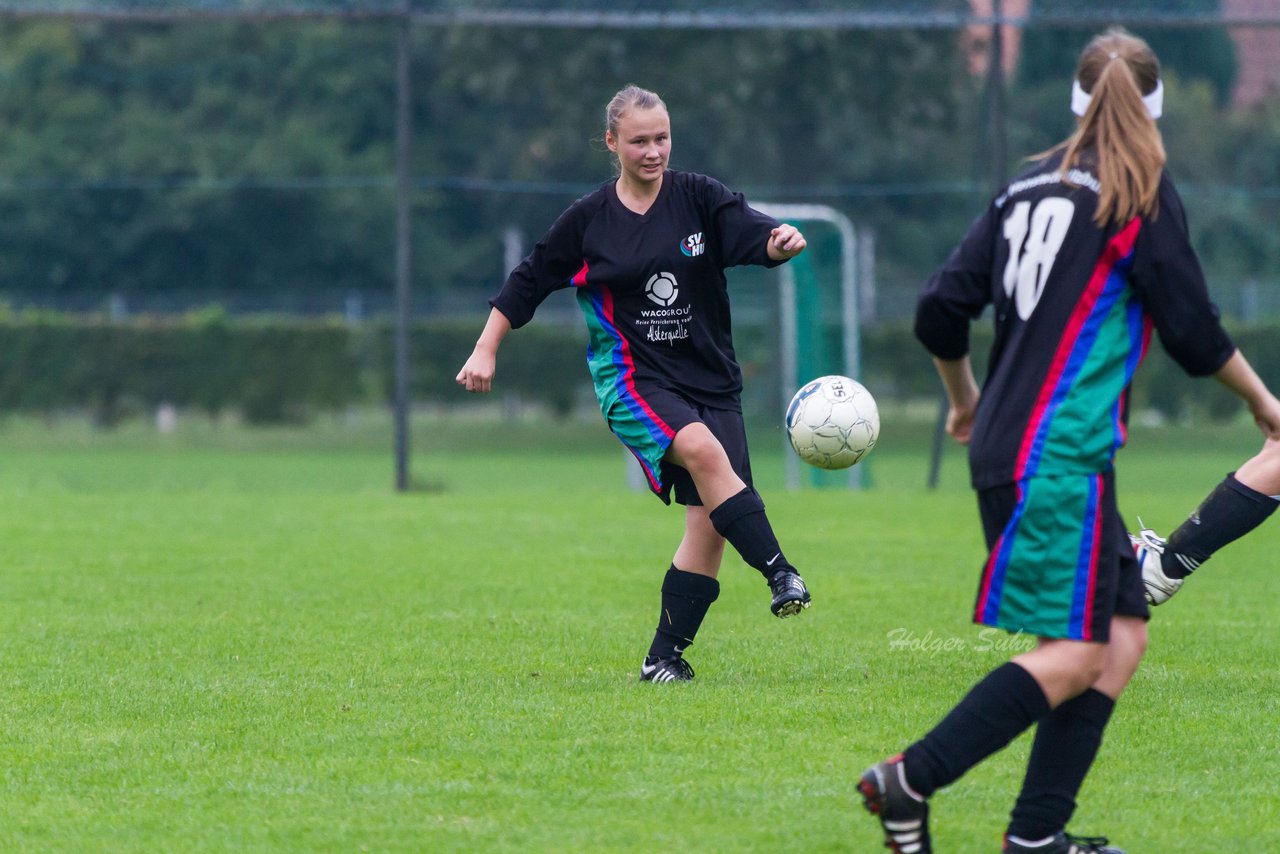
(1231,511)
(1067,740)
(992,714)
(686,596)
(741,520)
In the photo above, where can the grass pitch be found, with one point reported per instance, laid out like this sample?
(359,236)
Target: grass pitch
(235,640)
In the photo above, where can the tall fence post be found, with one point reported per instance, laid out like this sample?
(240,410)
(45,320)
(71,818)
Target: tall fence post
(404,247)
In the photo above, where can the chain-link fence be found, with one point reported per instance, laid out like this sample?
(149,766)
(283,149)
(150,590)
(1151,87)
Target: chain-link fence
(161,155)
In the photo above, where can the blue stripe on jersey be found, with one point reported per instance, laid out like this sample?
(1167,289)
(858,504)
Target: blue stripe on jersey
(1117,283)
(622,368)
(1137,323)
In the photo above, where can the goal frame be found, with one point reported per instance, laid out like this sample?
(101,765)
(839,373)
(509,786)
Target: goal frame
(789,343)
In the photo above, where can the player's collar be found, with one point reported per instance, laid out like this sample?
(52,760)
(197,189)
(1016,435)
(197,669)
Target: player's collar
(1155,101)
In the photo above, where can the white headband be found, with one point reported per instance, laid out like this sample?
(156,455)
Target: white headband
(1080,99)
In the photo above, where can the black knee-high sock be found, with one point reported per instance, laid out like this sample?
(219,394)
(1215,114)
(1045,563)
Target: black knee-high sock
(992,714)
(686,596)
(741,520)
(1231,511)
(1067,740)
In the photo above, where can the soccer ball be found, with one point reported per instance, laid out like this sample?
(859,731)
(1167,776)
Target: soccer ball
(833,422)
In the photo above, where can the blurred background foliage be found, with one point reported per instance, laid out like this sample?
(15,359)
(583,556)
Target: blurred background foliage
(249,163)
(162,179)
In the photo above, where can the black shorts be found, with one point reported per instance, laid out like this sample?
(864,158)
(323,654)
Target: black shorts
(648,421)
(1060,563)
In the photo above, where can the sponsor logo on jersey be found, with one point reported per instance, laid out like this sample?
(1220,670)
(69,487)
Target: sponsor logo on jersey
(693,245)
(662,289)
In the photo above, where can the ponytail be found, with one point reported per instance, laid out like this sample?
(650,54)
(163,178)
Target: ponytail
(1116,69)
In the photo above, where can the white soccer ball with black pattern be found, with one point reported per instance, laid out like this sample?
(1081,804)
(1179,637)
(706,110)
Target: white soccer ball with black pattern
(833,422)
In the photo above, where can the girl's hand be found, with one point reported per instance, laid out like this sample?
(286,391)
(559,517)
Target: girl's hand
(1266,414)
(477,374)
(785,242)
(960,421)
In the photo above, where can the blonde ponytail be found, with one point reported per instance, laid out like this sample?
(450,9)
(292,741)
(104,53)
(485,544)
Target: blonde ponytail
(1116,69)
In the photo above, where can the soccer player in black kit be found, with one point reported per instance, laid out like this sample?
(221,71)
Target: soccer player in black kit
(645,255)
(1079,257)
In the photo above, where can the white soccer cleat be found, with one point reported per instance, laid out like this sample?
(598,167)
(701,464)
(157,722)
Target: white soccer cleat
(1148,547)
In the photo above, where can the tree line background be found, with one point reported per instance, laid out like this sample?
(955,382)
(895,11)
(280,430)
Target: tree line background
(162,166)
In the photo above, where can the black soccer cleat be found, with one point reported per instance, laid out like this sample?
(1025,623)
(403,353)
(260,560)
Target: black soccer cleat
(790,596)
(1064,843)
(666,670)
(903,814)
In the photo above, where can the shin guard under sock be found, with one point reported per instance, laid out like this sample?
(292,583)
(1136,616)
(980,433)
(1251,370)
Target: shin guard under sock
(741,520)
(1231,511)
(686,596)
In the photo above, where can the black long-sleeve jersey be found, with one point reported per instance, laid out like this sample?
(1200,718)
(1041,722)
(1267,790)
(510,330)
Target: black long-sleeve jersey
(1074,305)
(651,286)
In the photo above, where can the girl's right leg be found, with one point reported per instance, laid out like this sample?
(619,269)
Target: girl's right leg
(689,589)
(702,548)
(995,711)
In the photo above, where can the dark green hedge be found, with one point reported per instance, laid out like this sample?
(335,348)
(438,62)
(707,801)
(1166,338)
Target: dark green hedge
(896,367)
(546,365)
(277,369)
(270,370)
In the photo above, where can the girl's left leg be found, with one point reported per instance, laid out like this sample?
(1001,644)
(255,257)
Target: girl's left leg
(1005,702)
(737,513)
(1068,738)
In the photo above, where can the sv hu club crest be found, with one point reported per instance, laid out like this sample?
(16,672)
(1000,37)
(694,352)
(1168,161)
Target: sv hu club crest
(693,245)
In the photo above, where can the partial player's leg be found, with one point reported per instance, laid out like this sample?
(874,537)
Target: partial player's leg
(696,449)
(993,713)
(1241,502)
(736,510)
(701,550)
(645,423)
(997,710)
(1262,471)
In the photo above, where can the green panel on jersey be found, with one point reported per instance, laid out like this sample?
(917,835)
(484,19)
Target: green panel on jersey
(1082,436)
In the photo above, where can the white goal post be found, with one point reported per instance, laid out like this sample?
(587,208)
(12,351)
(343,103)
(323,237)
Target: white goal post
(788,336)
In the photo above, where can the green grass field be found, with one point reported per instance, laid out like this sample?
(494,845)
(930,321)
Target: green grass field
(226,639)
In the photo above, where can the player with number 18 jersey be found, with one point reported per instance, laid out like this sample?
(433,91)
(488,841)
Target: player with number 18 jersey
(1074,306)
(1080,258)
